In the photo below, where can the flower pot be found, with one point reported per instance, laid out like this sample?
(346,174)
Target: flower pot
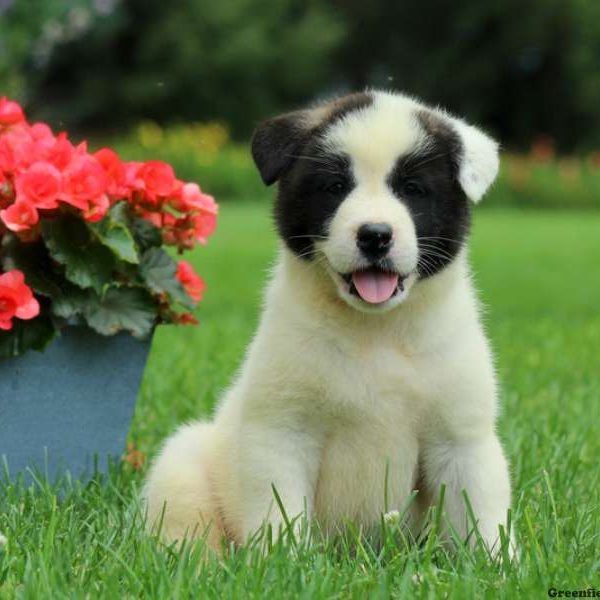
(70,407)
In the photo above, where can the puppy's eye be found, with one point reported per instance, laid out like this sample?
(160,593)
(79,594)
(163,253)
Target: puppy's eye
(334,188)
(413,188)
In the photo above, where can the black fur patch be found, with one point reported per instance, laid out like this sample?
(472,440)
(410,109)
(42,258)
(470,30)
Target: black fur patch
(345,105)
(275,143)
(309,195)
(312,181)
(427,183)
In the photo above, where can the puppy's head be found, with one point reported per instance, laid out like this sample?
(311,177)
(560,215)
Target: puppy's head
(376,188)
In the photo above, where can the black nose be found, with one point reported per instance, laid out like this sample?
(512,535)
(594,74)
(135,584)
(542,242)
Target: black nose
(374,239)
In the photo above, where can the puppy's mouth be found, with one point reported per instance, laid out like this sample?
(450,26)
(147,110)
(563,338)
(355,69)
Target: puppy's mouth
(374,285)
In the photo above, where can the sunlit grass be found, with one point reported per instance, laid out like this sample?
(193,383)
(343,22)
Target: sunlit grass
(538,276)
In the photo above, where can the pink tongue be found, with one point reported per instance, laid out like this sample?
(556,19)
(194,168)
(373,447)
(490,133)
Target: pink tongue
(374,286)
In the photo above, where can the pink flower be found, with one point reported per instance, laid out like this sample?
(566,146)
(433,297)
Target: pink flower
(154,218)
(7,156)
(39,185)
(60,152)
(20,216)
(16,299)
(17,148)
(10,112)
(204,226)
(41,131)
(191,197)
(83,181)
(115,172)
(159,179)
(192,283)
(97,209)
(133,180)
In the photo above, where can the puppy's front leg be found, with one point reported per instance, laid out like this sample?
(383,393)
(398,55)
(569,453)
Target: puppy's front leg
(287,459)
(478,468)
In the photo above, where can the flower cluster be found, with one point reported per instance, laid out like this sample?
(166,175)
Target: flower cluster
(96,225)
(40,172)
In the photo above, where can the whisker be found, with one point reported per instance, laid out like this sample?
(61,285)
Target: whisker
(435,251)
(424,265)
(436,257)
(310,252)
(434,238)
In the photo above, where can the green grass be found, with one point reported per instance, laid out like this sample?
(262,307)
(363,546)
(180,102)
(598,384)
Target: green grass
(538,276)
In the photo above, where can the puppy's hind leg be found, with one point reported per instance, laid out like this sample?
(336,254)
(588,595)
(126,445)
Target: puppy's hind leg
(178,491)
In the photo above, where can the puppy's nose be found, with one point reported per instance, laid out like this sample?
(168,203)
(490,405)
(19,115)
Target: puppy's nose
(374,239)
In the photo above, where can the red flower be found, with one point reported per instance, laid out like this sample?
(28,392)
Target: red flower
(7,155)
(97,210)
(115,172)
(39,185)
(186,319)
(204,225)
(133,180)
(10,112)
(159,179)
(192,283)
(154,217)
(191,197)
(60,152)
(41,131)
(83,181)
(20,216)
(16,299)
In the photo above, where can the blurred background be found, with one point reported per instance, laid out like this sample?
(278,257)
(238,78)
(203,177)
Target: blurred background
(188,81)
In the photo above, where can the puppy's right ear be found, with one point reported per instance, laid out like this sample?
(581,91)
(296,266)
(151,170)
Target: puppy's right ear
(276,142)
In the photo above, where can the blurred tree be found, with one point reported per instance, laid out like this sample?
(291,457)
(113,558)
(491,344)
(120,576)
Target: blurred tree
(27,32)
(521,67)
(233,60)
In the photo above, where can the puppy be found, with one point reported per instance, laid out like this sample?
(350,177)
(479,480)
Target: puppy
(370,375)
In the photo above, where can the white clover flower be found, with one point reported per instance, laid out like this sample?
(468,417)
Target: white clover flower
(391,517)
(3,540)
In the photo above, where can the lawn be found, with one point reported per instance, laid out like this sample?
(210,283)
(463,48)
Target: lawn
(539,278)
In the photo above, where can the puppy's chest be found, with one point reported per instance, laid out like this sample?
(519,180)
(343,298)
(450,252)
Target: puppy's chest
(372,380)
(374,401)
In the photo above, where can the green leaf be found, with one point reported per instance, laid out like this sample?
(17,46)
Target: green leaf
(33,259)
(87,262)
(146,234)
(113,232)
(72,304)
(34,334)
(122,309)
(158,270)
(41,273)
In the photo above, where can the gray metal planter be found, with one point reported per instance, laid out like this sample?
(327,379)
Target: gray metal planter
(70,407)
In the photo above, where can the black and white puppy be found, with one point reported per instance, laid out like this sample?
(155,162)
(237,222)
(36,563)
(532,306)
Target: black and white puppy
(370,367)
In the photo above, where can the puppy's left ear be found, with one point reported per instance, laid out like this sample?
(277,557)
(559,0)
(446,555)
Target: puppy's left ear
(478,163)
(276,143)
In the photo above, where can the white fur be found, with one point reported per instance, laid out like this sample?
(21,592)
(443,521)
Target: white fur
(330,398)
(480,163)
